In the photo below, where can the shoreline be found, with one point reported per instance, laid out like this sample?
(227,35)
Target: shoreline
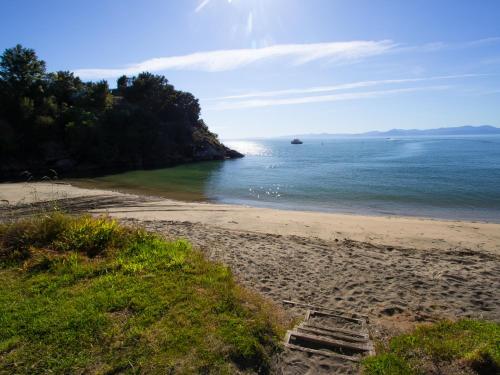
(194,195)
(340,211)
(189,194)
(406,231)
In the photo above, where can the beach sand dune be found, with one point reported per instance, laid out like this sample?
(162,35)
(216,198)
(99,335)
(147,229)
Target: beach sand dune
(397,271)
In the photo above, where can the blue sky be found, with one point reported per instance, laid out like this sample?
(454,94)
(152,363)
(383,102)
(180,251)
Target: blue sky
(273,67)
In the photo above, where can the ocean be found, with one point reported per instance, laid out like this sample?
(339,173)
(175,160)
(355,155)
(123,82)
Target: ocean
(437,177)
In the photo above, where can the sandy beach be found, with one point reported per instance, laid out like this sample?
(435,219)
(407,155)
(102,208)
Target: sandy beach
(410,232)
(396,270)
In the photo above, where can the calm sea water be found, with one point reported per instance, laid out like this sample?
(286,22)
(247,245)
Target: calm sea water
(453,177)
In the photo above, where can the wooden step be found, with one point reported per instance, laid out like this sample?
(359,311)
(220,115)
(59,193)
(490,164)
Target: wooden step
(330,343)
(326,309)
(361,334)
(332,334)
(310,313)
(325,353)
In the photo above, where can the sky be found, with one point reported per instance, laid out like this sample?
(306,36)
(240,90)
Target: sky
(264,68)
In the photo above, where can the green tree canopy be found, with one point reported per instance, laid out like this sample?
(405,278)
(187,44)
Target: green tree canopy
(54,120)
(20,68)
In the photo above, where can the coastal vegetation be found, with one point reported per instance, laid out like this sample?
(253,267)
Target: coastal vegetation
(87,295)
(56,124)
(463,347)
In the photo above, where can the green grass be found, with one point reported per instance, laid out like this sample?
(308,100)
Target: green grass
(86,295)
(471,344)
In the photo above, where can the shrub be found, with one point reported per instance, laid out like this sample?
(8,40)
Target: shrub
(17,238)
(63,233)
(92,236)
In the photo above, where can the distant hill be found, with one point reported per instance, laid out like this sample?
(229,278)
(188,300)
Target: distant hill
(458,130)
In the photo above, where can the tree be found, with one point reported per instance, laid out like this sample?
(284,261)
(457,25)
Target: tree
(150,90)
(122,83)
(20,68)
(54,119)
(64,86)
(97,96)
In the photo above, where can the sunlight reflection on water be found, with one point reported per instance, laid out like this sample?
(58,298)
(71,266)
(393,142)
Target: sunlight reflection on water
(250,148)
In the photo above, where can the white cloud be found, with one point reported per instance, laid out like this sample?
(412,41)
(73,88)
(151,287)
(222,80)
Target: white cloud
(344,86)
(297,54)
(201,5)
(438,46)
(257,103)
(222,60)
(478,42)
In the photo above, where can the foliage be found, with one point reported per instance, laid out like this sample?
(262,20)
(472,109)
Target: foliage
(474,344)
(137,304)
(56,121)
(20,68)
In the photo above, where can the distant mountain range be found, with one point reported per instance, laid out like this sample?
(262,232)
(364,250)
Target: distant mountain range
(458,130)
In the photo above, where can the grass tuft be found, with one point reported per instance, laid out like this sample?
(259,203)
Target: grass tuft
(87,295)
(58,232)
(467,343)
